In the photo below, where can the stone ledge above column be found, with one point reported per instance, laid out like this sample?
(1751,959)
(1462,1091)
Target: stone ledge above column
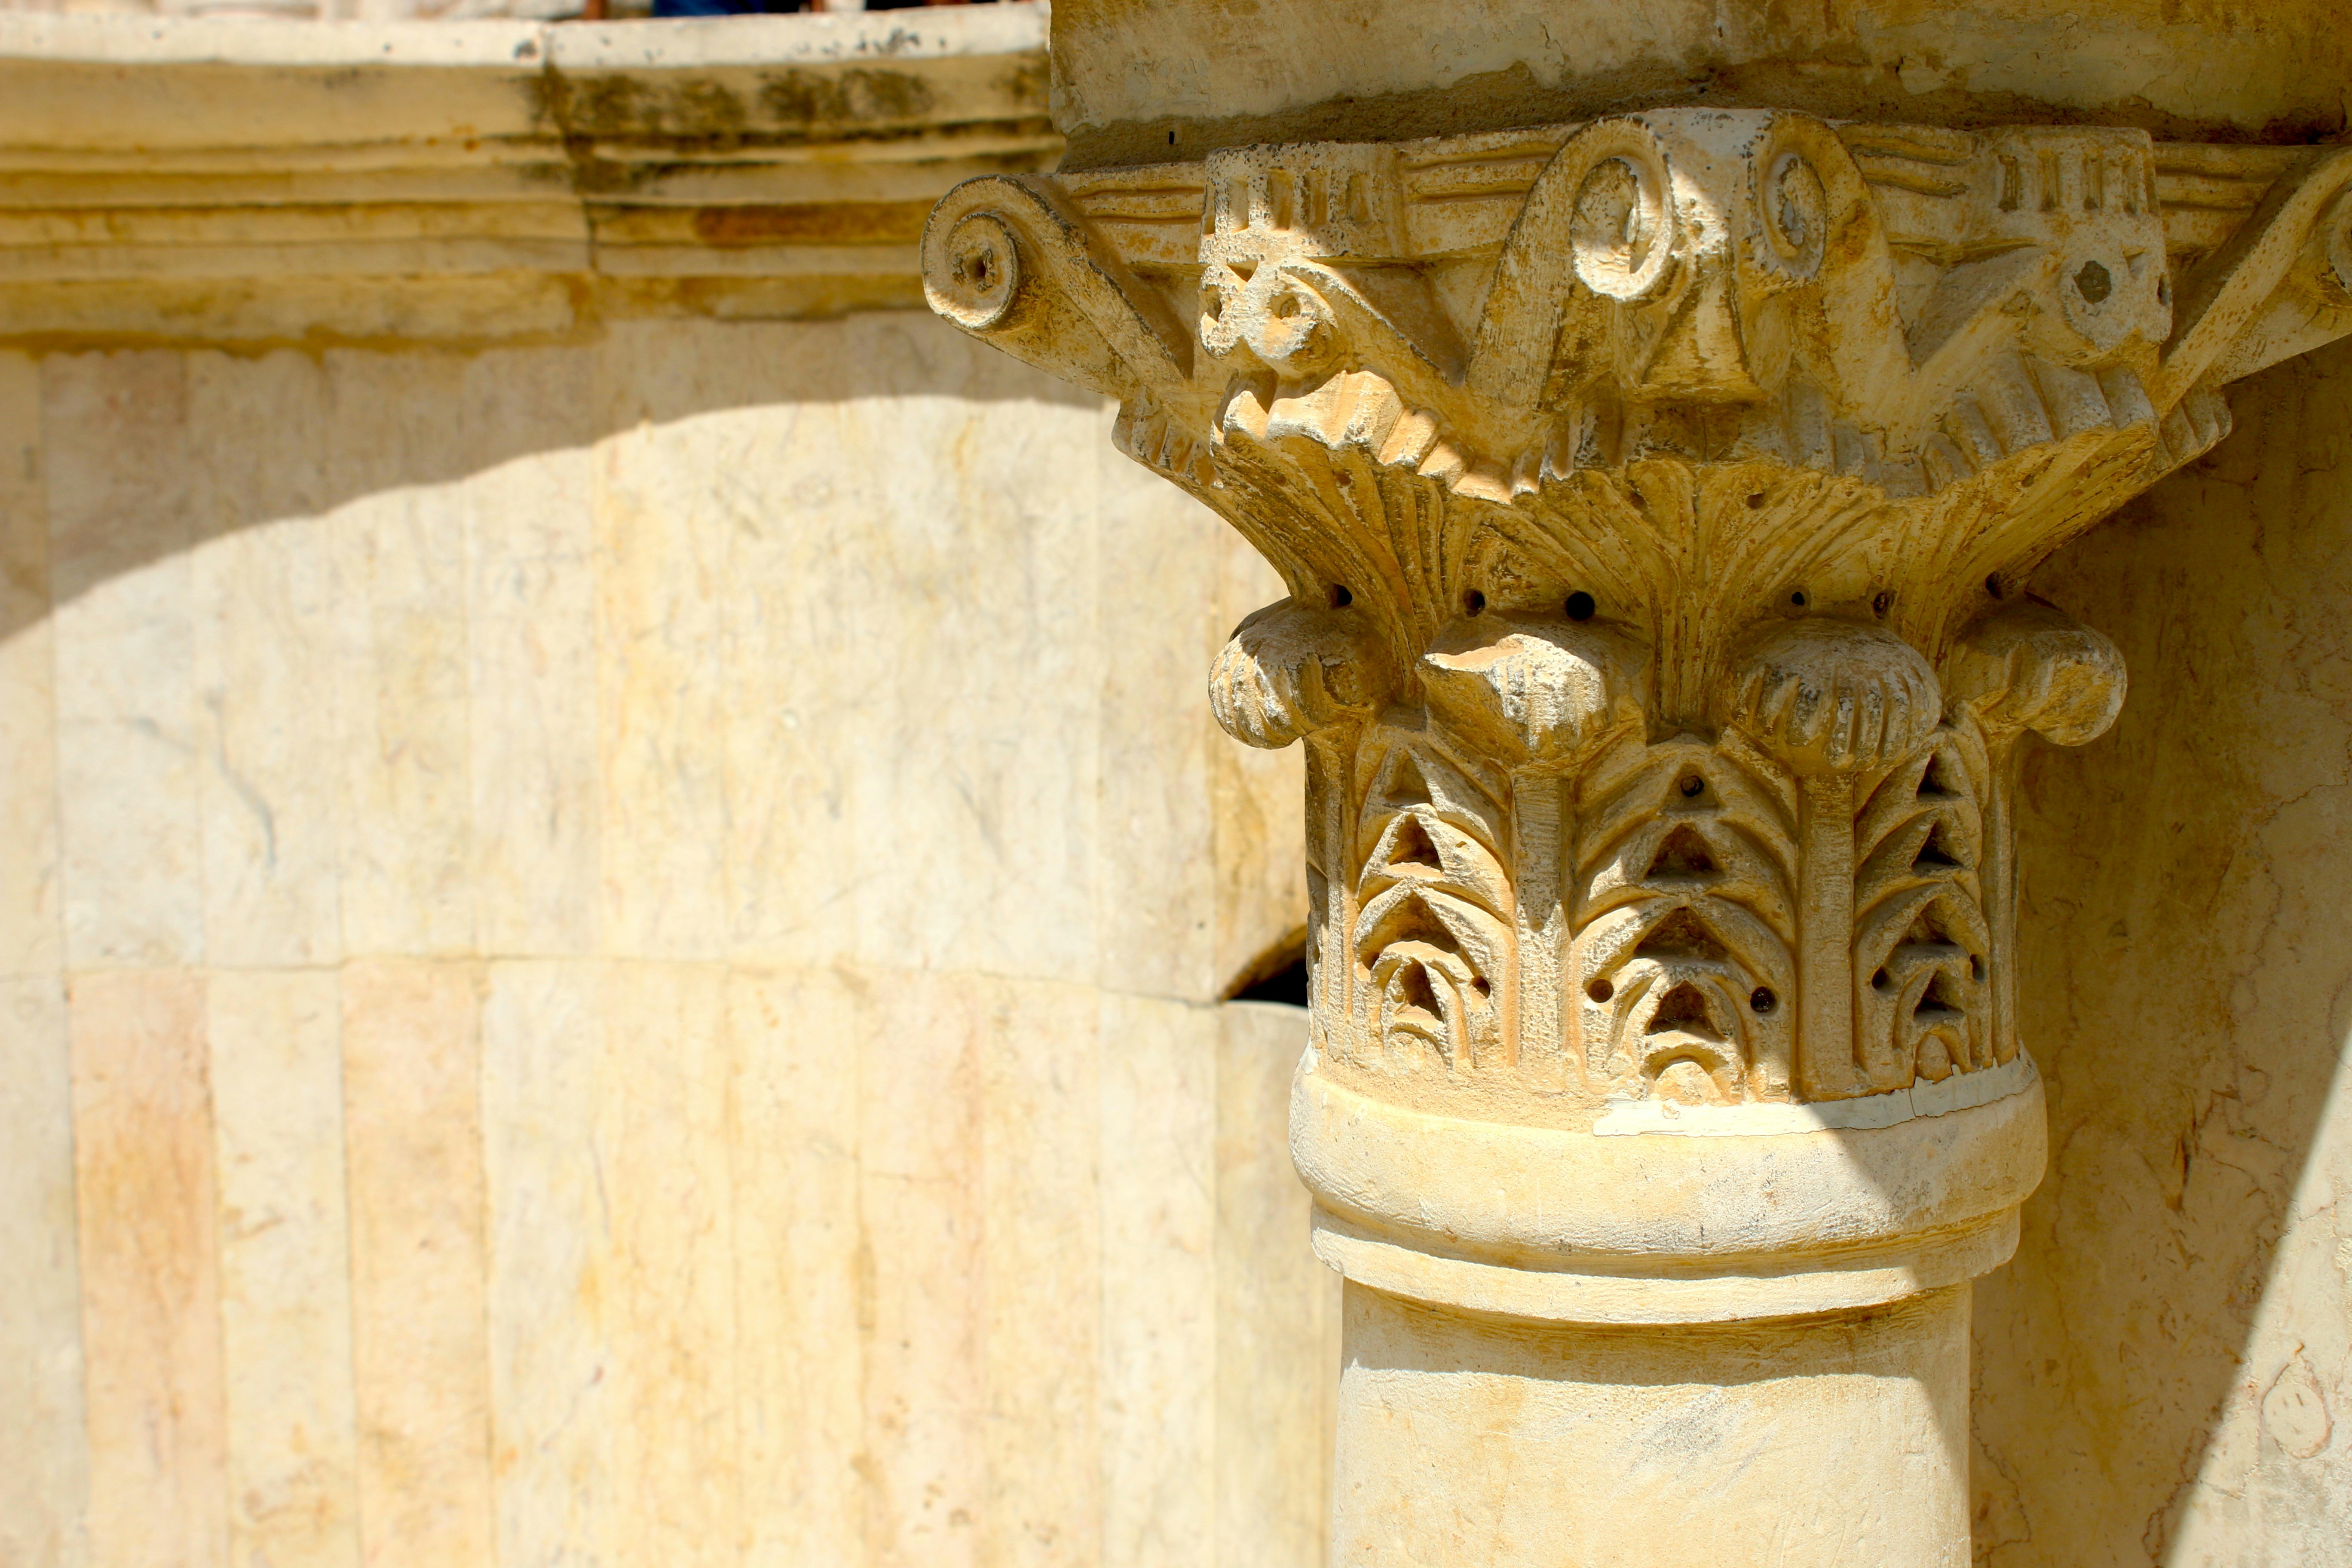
(257,181)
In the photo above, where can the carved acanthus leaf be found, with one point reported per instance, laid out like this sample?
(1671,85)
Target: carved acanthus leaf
(1830,696)
(1655,497)
(1533,688)
(1291,670)
(2030,666)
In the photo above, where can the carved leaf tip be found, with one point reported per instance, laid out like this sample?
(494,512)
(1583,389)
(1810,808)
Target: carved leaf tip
(1532,688)
(2030,666)
(1292,669)
(1829,696)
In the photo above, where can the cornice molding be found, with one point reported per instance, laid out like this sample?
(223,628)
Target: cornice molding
(229,180)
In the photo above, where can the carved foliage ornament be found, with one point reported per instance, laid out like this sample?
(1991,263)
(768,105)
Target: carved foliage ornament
(1652,495)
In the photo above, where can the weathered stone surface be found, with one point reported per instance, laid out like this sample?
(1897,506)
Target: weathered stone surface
(2163,1371)
(1131,74)
(1654,492)
(482,180)
(503,1077)
(519,694)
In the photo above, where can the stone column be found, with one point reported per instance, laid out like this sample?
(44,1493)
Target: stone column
(1653,495)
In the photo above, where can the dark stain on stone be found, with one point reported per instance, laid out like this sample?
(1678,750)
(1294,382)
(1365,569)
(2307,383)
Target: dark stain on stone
(812,98)
(813,223)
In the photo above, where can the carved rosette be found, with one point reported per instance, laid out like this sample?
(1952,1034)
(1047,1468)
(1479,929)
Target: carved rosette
(1653,497)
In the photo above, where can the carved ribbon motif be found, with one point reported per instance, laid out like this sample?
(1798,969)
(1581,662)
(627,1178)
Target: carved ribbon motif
(1652,496)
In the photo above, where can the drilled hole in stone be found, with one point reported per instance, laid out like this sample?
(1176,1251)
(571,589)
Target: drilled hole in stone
(1691,786)
(2164,291)
(1341,597)
(1881,604)
(1799,599)
(1601,991)
(1762,1000)
(1581,606)
(1756,501)
(1992,585)
(1976,967)
(1473,603)
(1879,982)
(1482,986)
(2092,282)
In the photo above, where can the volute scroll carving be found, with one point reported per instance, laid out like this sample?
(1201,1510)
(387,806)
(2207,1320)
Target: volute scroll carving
(1655,497)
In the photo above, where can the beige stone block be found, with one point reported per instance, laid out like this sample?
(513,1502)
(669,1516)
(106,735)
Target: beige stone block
(133,736)
(660,1286)
(920,1128)
(560,1494)
(1160,629)
(271,584)
(1160,1281)
(994,566)
(1277,1307)
(611,1294)
(148,1224)
(246,308)
(753,480)
(759,520)
(817,653)
(285,1268)
(663,580)
(531,611)
(31,933)
(1041,1282)
(802,1267)
(402,653)
(420,1350)
(43,1435)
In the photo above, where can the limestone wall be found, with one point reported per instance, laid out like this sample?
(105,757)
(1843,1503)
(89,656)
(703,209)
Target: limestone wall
(2165,1371)
(612,906)
(611,956)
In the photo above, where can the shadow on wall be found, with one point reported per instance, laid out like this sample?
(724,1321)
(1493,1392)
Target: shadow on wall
(2156,1369)
(155,452)
(605,954)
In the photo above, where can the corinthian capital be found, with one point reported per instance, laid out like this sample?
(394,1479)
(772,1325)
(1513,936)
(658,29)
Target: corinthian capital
(1655,497)
(1650,493)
